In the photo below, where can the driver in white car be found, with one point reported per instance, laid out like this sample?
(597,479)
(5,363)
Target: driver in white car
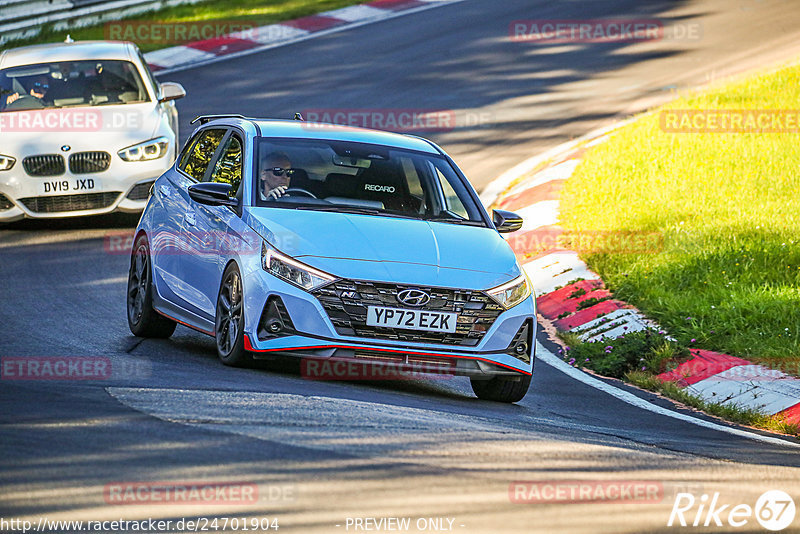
(275,175)
(39,90)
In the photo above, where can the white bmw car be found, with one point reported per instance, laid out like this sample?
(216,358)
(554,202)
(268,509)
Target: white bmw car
(84,129)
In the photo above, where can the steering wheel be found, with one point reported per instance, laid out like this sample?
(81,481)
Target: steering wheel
(299,190)
(25,102)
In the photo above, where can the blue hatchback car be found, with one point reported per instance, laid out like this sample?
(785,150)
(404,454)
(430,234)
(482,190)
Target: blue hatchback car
(334,244)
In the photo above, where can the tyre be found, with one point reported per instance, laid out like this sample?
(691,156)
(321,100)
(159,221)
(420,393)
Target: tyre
(501,389)
(143,320)
(229,331)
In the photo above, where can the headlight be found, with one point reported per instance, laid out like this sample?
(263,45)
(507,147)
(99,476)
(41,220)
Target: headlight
(152,149)
(293,271)
(6,162)
(511,293)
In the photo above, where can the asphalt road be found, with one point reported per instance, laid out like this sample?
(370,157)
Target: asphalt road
(320,452)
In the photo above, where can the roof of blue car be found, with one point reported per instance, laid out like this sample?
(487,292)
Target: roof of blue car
(332,132)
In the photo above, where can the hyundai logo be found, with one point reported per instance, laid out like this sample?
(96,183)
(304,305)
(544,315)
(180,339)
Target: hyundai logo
(413,297)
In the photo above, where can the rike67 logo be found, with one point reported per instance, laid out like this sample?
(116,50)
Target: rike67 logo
(774,510)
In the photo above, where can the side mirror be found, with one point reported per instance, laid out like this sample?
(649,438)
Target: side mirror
(506,221)
(213,194)
(171,91)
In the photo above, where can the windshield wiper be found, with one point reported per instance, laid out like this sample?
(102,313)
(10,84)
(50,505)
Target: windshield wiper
(454,220)
(356,210)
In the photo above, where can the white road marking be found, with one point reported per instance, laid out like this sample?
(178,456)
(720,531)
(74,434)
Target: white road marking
(556,269)
(177,55)
(751,386)
(544,213)
(272,33)
(551,359)
(356,13)
(626,326)
(562,171)
(612,317)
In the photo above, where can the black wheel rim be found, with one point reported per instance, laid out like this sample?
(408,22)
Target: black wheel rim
(138,280)
(229,313)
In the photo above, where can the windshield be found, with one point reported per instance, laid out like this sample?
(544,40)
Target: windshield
(359,178)
(70,84)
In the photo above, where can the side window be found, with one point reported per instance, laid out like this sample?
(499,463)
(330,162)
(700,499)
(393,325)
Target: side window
(228,168)
(196,160)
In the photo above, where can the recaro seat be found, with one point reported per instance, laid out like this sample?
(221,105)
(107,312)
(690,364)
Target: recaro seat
(383,183)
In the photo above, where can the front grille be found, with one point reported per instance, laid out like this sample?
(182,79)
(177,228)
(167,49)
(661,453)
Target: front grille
(5,203)
(60,203)
(89,162)
(348,313)
(44,165)
(140,191)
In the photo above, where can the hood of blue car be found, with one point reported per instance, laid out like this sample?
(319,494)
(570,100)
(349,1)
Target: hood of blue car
(368,247)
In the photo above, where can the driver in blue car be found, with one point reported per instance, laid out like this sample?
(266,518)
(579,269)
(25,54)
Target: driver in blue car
(275,176)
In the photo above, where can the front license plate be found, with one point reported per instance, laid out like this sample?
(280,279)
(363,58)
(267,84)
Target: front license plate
(431,321)
(69,186)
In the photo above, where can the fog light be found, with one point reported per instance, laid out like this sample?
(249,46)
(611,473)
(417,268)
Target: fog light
(5,203)
(275,320)
(274,325)
(519,347)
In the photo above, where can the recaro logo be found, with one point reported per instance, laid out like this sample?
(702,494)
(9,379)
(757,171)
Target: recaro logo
(413,297)
(381,188)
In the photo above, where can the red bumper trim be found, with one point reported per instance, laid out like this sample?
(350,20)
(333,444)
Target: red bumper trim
(248,346)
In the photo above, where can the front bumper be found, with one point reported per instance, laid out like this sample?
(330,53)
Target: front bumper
(123,187)
(432,361)
(313,335)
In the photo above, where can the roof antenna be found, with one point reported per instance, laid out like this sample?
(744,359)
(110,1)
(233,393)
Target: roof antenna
(298,117)
(69,39)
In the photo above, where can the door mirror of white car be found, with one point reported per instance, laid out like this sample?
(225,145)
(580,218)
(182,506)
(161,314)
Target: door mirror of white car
(506,221)
(213,194)
(171,91)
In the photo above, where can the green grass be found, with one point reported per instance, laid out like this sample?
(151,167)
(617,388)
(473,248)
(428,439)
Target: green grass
(647,350)
(728,206)
(250,12)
